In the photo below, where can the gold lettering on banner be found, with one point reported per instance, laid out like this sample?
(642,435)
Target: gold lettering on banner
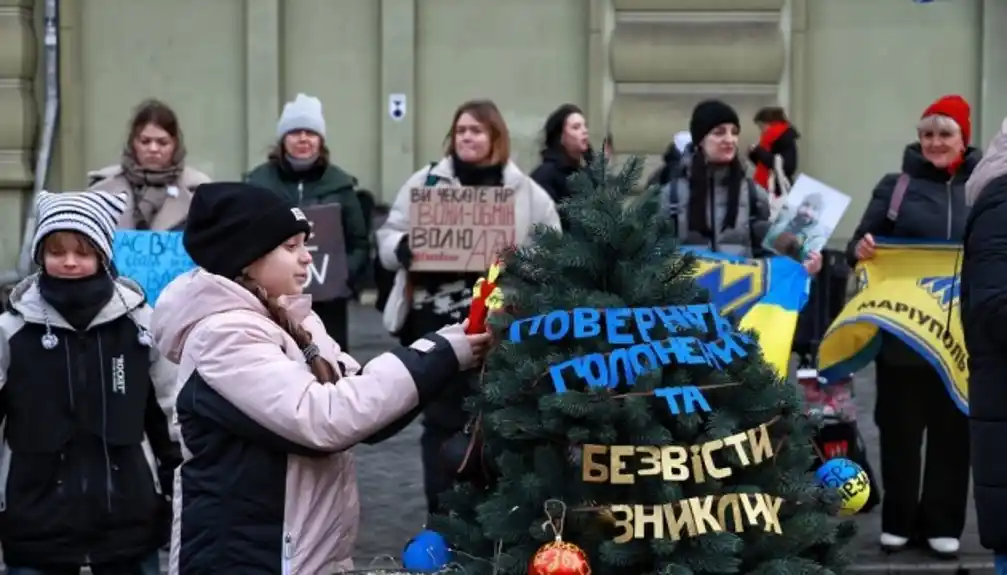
(697,516)
(609,463)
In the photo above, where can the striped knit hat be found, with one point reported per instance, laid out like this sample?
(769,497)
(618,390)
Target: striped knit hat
(93,214)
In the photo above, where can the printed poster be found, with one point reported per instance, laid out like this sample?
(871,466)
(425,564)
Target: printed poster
(806,221)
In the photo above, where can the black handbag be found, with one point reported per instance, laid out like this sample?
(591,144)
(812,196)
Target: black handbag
(826,299)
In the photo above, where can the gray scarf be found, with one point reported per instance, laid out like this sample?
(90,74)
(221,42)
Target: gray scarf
(150,187)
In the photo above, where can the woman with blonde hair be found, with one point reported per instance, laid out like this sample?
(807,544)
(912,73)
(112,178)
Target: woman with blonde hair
(476,153)
(924,201)
(152,171)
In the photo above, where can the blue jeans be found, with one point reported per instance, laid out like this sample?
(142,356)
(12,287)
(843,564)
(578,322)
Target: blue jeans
(1001,564)
(149,565)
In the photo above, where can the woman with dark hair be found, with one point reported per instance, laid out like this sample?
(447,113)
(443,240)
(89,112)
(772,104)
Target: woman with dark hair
(477,154)
(152,171)
(298,168)
(778,138)
(565,150)
(714,205)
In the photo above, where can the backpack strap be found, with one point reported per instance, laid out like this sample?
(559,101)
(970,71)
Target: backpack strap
(898,194)
(753,199)
(431,178)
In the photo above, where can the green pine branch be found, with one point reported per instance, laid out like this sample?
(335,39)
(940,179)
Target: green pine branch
(616,253)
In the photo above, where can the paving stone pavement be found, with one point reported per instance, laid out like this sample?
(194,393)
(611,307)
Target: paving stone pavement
(390,478)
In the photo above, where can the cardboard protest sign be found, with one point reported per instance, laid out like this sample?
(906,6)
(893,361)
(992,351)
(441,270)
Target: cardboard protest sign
(154,259)
(328,273)
(151,259)
(459,229)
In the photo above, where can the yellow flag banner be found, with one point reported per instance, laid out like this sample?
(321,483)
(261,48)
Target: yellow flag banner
(910,290)
(764,295)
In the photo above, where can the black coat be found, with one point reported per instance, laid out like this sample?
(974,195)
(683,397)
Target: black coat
(554,172)
(670,169)
(984,320)
(786,147)
(79,487)
(933,208)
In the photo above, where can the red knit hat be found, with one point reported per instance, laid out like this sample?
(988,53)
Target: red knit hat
(956,108)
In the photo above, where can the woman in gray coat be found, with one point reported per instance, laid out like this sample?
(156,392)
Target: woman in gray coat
(715,206)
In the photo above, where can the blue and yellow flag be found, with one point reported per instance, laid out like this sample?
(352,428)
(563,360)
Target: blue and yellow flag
(764,295)
(910,290)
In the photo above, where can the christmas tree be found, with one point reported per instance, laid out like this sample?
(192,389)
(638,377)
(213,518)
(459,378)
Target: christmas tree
(688,466)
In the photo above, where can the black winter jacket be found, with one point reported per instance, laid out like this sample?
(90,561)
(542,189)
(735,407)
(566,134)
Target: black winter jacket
(984,321)
(76,483)
(933,208)
(786,147)
(670,169)
(554,172)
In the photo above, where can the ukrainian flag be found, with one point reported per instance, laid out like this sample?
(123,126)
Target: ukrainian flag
(909,289)
(765,295)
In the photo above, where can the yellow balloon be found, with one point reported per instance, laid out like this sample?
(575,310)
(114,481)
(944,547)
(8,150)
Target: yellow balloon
(855,493)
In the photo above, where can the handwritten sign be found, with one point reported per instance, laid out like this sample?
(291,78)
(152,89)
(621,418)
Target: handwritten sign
(152,259)
(329,271)
(459,229)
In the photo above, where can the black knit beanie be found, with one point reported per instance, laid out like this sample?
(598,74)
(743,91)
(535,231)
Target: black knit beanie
(709,114)
(232,224)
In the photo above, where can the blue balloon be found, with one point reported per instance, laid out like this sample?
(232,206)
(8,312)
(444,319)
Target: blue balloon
(835,472)
(427,552)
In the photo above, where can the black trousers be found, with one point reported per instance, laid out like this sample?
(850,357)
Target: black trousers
(436,477)
(911,400)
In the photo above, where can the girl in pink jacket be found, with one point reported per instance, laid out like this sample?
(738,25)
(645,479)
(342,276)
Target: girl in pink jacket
(267,403)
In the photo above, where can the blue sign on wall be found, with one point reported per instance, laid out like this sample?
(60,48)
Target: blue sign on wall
(152,259)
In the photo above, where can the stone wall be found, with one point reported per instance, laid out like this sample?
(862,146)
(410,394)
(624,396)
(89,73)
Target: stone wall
(18,120)
(667,55)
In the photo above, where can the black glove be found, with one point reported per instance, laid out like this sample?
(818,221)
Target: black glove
(403,253)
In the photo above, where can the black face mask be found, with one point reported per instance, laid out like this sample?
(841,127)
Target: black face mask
(78,300)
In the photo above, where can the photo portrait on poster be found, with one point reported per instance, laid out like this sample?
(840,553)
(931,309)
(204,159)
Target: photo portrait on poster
(805,223)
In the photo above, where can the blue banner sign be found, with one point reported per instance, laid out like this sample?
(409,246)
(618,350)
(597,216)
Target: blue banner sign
(151,259)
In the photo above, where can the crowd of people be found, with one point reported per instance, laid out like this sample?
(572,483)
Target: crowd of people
(152,414)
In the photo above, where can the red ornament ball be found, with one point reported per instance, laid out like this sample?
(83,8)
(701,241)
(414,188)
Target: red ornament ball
(559,558)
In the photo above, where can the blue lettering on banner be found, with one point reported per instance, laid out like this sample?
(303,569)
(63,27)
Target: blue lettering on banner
(621,325)
(686,399)
(151,259)
(642,345)
(627,364)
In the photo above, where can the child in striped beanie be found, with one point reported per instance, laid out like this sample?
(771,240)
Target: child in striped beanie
(85,398)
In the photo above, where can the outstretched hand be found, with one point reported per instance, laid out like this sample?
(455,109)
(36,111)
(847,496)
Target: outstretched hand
(865,248)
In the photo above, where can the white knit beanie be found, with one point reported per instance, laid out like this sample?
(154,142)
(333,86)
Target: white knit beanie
(95,214)
(682,140)
(304,113)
